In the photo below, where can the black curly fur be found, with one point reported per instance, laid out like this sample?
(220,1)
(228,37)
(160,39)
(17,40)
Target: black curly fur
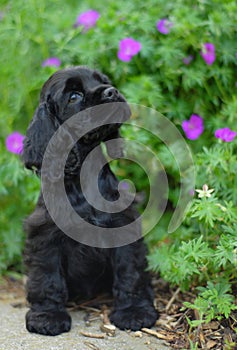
(59,268)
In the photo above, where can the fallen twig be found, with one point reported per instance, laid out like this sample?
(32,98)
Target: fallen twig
(172,299)
(90,345)
(106,325)
(109,329)
(154,333)
(105,314)
(88,308)
(92,335)
(88,318)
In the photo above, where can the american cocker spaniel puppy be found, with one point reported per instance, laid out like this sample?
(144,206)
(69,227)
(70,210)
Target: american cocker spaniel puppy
(61,268)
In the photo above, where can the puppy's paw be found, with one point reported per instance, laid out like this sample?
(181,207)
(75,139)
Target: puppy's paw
(134,317)
(48,323)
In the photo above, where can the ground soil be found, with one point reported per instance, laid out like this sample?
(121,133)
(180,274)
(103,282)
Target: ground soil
(172,330)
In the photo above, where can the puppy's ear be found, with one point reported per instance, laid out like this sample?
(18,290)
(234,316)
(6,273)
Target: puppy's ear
(39,132)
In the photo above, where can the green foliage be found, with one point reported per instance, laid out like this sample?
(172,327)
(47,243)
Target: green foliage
(202,252)
(180,265)
(213,301)
(14,207)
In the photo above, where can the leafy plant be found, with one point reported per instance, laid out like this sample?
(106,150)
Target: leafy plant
(203,251)
(213,301)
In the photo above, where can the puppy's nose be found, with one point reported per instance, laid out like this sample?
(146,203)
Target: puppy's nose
(110,94)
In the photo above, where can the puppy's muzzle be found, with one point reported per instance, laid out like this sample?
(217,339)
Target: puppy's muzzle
(110,94)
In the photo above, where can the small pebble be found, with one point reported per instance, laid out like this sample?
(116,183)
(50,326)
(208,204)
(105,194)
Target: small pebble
(138,334)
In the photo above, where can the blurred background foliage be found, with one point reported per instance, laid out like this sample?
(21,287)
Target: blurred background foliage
(32,31)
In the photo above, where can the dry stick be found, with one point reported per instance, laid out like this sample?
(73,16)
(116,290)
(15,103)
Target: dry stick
(90,345)
(92,335)
(154,333)
(105,314)
(98,299)
(88,318)
(89,308)
(199,332)
(106,326)
(172,299)
(181,318)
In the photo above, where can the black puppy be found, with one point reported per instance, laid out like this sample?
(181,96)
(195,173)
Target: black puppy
(59,267)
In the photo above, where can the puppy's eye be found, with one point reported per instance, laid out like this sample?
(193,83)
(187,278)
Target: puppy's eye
(75,97)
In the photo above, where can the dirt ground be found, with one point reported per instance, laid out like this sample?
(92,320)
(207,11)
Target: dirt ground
(85,334)
(171,331)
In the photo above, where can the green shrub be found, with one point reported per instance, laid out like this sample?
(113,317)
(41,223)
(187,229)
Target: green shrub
(203,251)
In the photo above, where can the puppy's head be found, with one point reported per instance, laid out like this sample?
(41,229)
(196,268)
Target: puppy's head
(66,93)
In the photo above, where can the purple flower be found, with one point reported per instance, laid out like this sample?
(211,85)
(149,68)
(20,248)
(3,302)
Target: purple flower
(164,25)
(225,134)
(208,53)
(14,142)
(193,127)
(87,19)
(128,47)
(124,185)
(188,59)
(51,62)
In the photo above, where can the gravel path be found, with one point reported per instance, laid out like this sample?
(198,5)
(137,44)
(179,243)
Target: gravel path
(14,336)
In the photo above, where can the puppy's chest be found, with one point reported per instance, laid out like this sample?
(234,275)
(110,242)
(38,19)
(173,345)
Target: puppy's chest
(87,271)
(86,210)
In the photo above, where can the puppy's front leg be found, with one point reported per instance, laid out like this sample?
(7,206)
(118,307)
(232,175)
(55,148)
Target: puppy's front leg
(46,292)
(133,304)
